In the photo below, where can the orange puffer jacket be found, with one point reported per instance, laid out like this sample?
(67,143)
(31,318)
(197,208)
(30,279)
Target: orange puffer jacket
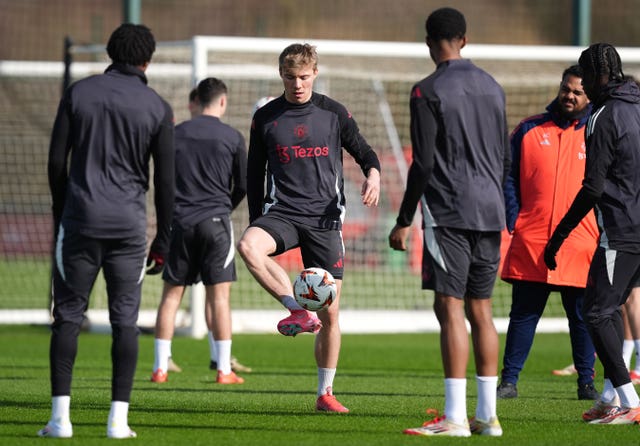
(548,156)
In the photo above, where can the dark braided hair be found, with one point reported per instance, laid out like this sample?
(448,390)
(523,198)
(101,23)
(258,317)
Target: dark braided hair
(131,44)
(602,59)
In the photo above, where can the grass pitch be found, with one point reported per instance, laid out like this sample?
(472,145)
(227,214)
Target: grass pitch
(386,380)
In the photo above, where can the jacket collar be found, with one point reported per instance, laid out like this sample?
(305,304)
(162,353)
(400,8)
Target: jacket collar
(128,70)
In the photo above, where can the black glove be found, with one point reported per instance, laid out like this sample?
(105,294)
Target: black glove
(550,251)
(156,261)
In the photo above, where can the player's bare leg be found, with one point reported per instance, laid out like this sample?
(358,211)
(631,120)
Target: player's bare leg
(219,313)
(486,351)
(254,247)
(169,305)
(454,340)
(219,322)
(484,336)
(454,348)
(632,331)
(327,352)
(165,327)
(327,346)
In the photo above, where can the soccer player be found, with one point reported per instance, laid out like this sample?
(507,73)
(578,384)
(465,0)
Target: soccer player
(210,182)
(460,159)
(610,187)
(547,150)
(298,138)
(195,109)
(110,125)
(631,317)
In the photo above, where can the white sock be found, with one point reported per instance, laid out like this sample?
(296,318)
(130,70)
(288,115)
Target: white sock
(486,409)
(212,347)
(60,409)
(162,348)
(325,380)
(119,415)
(608,392)
(455,399)
(224,356)
(627,351)
(291,303)
(628,395)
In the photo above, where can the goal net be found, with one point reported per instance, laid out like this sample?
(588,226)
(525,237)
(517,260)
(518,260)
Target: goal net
(372,79)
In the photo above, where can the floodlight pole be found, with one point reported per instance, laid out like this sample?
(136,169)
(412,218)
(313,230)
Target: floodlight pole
(581,22)
(131,11)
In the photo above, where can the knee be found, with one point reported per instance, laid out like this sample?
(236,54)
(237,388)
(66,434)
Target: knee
(253,250)
(330,322)
(65,315)
(123,318)
(330,316)
(481,323)
(245,248)
(65,328)
(594,321)
(120,332)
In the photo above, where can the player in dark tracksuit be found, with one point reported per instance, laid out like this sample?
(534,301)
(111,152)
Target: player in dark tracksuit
(211,160)
(461,158)
(297,141)
(110,126)
(203,189)
(301,146)
(611,186)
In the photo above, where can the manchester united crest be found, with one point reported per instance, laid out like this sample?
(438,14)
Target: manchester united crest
(301,131)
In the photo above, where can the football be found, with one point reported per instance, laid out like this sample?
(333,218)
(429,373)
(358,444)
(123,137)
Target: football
(314,289)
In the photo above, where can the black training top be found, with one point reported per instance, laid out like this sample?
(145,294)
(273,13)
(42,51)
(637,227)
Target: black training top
(112,124)
(301,148)
(461,150)
(211,169)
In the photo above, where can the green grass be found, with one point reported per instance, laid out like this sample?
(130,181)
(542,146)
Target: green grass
(25,285)
(386,380)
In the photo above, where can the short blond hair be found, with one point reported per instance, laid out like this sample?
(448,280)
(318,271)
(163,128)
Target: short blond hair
(298,55)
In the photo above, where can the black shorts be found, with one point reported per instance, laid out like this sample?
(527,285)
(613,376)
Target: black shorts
(79,258)
(320,247)
(612,275)
(203,252)
(460,263)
